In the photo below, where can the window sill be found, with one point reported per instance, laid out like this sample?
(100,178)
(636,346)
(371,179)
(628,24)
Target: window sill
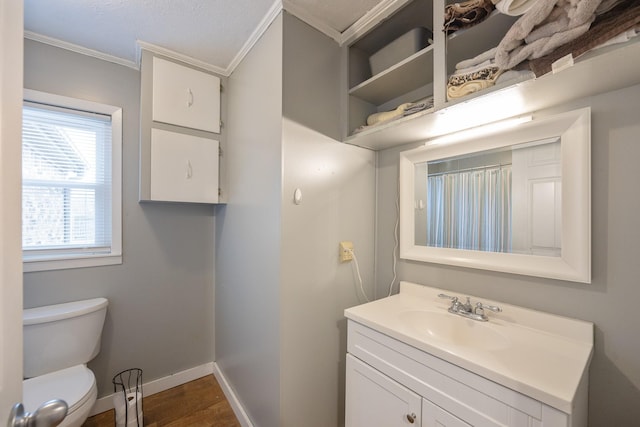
(29,266)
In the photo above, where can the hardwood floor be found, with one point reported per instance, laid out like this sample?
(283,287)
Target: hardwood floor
(198,403)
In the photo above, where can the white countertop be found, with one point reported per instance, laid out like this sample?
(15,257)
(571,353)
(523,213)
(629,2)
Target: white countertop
(543,356)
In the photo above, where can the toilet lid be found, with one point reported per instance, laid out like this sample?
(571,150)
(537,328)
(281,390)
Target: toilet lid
(72,385)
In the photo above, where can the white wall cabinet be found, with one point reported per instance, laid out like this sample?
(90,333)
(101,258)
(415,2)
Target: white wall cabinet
(184,96)
(181,139)
(389,383)
(184,168)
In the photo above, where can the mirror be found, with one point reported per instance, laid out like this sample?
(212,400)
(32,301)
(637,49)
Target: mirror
(515,201)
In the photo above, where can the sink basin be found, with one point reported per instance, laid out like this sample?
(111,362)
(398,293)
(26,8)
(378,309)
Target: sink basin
(541,355)
(453,329)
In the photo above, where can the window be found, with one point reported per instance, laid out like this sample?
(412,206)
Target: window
(71,183)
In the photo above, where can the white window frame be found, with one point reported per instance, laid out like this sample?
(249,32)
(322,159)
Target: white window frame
(80,260)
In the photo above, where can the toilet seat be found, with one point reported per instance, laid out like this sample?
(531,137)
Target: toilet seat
(75,385)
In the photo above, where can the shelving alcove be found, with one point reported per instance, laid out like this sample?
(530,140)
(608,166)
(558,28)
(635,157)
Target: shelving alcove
(425,74)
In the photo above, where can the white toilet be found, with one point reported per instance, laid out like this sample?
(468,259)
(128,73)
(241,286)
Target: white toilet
(59,340)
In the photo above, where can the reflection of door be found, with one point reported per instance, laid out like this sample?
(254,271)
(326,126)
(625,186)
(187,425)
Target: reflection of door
(537,207)
(11,33)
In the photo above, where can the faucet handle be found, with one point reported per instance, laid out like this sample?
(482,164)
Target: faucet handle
(448,297)
(480,308)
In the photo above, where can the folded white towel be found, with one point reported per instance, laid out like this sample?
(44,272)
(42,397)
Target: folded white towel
(513,76)
(474,68)
(514,7)
(566,15)
(479,59)
(547,25)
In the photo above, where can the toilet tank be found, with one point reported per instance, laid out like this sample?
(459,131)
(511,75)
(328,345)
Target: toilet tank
(62,335)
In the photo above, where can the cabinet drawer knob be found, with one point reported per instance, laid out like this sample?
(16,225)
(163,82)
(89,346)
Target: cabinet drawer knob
(411,418)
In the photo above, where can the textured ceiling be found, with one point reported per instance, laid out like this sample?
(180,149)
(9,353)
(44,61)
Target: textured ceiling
(211,31)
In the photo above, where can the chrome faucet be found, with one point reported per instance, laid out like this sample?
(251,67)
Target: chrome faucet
(467,310)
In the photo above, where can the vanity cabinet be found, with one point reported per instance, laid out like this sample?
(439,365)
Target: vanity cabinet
(373,399)
(389,383)
(180,133)
(433,415)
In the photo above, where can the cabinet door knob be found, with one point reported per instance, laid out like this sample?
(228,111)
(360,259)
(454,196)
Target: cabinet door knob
(190,95)
(189,172)
(411,418)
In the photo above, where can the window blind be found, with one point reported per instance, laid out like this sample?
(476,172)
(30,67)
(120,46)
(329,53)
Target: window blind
(66,182)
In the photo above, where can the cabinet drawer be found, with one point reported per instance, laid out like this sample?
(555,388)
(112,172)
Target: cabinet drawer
(472,398)
(185,97)
(184,168)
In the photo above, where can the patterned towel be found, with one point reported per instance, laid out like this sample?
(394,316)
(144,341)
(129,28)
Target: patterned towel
(466,14)
(460,85)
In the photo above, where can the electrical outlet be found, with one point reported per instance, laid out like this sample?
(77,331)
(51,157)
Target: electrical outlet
(344,250)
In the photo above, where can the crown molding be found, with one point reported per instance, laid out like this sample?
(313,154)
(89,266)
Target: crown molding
(312,20)
(159,50)
(262,27)
(377,14)
(373,17)
(80,49)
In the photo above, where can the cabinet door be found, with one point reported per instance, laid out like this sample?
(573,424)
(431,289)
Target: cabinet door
(185,97)
(184,168)
(375,400)
(435,416)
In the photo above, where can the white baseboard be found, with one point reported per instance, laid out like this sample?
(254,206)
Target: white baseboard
(161,384)
(241,414)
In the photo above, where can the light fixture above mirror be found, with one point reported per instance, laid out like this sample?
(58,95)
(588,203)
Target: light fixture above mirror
(513,199)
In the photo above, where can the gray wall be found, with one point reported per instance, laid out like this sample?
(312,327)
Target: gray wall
(160,315)
(610,301)
(280,290)
(338,203)
(248,232)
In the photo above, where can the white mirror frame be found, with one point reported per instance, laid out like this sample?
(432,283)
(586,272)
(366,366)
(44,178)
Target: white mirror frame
(574,130)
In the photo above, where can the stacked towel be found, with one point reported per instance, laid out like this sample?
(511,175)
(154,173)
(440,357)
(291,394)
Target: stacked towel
(473,75)
(416,107)
(620,38)
(547,25)
(621,21)
(402,110)
(514,7)
(484,58)
(607,5)
(462,84)
(386,116)
(466,14)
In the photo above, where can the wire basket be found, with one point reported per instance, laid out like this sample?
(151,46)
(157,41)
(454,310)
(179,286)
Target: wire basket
(127,398)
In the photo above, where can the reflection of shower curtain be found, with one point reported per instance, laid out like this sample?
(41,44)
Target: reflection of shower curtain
(470,209)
